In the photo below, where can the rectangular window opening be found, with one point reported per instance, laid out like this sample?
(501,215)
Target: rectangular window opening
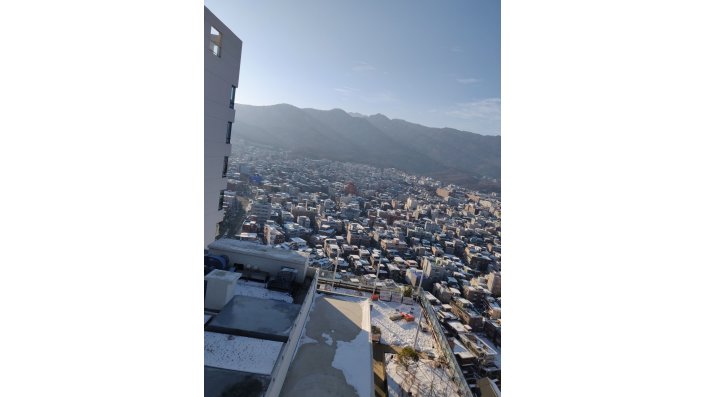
(222,200)
(229,132)
(225,166)
(216,39)
(232,97)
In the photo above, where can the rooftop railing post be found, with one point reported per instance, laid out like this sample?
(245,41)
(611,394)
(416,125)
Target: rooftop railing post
(418,297)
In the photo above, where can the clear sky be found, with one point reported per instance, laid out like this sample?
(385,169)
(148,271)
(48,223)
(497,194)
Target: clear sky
(435,63)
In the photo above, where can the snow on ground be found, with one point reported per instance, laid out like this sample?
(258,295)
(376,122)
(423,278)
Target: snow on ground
(328,338)
(422,379)
(396,333)
(241,353)
(258,290)
(401,332)
(349,355)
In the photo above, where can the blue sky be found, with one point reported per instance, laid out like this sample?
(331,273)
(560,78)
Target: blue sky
(435,63)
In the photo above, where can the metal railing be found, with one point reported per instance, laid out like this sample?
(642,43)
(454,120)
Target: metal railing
(326,277)
(457,374)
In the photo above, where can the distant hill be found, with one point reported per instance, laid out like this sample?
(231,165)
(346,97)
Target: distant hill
(447,154)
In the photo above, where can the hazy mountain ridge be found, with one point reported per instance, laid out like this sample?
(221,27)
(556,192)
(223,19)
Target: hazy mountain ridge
(444,153)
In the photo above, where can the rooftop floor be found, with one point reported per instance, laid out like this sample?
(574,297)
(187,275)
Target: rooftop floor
(401,332)
(241,353)
(334,356)
(256,317)
(222,382)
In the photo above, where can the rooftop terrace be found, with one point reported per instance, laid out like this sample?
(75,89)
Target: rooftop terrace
(240,353)
(334,356)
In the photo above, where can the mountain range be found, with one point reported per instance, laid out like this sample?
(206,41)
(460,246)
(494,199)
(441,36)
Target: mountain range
(446,154)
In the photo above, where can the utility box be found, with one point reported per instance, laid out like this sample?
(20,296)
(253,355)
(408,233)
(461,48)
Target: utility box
(220,288)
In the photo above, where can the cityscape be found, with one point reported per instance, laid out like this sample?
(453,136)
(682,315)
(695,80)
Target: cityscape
(331,273)
(365,166)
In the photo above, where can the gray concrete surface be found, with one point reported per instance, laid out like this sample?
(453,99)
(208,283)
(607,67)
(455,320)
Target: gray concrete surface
(260,318)
(226,383)
(312,373)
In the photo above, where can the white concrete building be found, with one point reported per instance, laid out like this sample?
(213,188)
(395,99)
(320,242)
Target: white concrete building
(261,209)
(222,50)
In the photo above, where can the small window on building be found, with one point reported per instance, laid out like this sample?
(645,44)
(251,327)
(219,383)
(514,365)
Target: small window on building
(232,97)
(222,200)
(225,166)
(229,132)
(216,39)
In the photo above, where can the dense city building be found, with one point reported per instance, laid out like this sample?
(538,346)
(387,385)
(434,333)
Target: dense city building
(372,230)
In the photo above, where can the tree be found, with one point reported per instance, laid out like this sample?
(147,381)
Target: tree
(407,356)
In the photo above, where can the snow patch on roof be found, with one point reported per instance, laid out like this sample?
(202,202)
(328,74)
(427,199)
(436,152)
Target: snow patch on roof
(348,355)
(258,290)
(240,353)
(401,332)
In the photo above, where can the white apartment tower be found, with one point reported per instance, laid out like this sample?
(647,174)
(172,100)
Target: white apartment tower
(222,71)
(261,209)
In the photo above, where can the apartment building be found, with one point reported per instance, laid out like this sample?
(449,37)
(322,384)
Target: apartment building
(357,235)
(261,209)
(273,234)
(222,50)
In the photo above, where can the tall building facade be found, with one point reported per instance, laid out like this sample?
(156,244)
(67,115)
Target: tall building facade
(222,71)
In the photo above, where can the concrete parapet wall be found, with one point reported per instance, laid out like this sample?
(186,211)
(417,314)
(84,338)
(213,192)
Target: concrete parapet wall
(286,356)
